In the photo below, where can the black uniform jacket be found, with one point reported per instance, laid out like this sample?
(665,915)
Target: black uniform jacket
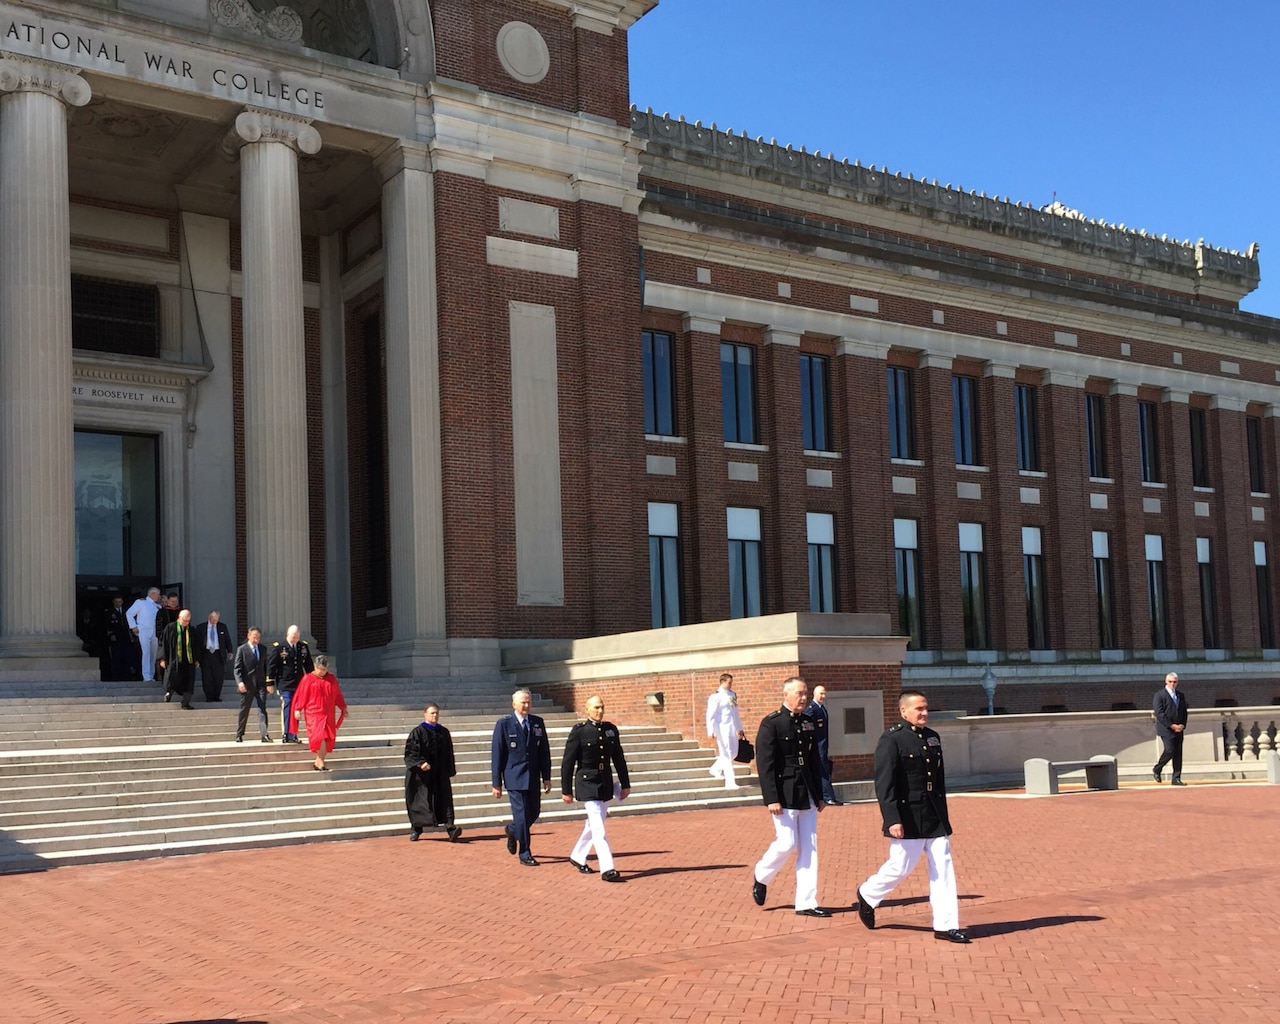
(911,784)
(787,760)
(284,671)
(591,752)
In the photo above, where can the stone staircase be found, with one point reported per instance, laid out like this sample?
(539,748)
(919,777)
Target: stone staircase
(108,771)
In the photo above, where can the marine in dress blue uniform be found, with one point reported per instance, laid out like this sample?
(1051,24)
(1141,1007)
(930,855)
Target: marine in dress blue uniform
(911,787)
(520,758)
(591,753)
(791,784)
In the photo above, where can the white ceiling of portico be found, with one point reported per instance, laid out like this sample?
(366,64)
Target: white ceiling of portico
(121,152)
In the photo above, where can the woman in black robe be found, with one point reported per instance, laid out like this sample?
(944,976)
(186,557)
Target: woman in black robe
(429,765)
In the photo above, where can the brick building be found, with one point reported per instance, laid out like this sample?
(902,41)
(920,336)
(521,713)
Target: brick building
(396,321)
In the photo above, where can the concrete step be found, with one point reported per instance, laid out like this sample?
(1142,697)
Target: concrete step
(95,778)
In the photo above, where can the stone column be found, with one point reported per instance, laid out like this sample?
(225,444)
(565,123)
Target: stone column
(278,553)
(37,447)
(418,646)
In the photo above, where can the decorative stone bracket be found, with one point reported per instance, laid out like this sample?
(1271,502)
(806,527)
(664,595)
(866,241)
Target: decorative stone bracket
(283,23)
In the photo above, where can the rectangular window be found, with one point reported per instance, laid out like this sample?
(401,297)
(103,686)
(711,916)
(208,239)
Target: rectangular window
(1036,590)
(814,404)
(973,587)
(822,561)
(1157,593)
(906,558)
(1208,595)
(1095,426)
(738,392)
(664,563)
(902,412)
(1262,578)
(1024,405)
(1253,438)
(658,354)
(964,421)
(1199,449)
(746,573)
(115,316)
(1104,589)
(1149,442)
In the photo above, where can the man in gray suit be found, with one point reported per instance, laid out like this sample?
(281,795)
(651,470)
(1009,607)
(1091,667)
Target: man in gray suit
(249,670)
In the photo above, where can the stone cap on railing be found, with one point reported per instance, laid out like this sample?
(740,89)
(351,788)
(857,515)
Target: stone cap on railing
(867,184)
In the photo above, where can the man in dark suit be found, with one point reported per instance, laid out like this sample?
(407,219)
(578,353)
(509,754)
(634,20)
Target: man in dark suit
(591,752)
(817,710)
(215,646)
(791,783)
(178,659)
(119,641)
(911,787)
(1170,709)
(520,757)
(286,666)
(249,670)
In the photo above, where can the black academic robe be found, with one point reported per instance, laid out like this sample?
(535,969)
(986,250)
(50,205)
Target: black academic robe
(428,796)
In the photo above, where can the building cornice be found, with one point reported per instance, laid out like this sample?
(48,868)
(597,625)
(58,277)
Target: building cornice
(829,265)
(603,16)
(1216,273)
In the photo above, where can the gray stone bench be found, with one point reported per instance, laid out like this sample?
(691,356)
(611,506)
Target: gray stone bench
(1041,774)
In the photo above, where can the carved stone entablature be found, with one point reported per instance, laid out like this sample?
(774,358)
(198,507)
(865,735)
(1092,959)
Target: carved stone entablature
(255,125)
(756,157)
(55,80)
(126,370)
(603,16)
(283,23)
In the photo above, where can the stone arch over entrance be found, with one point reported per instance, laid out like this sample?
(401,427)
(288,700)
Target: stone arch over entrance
(396,34)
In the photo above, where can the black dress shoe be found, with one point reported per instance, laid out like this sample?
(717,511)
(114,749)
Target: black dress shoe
(866,912)
(453,832)
(414,835)
(187,707)
(584,868)
(1176,782)
(611,876)
(512,845)
(168,696)
(758,892)
(239,739)
(1156,775)
(528,861)
(814,912)
(266,739)
(834,803)
(952,935)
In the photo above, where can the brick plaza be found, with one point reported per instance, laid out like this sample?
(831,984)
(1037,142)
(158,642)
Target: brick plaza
(1141,905)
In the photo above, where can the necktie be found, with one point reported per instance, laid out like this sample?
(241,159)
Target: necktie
(525,728)
(213,637)
(255,653)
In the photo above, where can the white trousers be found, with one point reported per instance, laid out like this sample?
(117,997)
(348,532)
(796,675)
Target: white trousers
(904,854)
(593,835)
(726,748)
(150,648)
(794,830)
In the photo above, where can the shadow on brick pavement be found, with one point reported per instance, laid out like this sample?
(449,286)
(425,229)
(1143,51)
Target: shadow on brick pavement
(1140,905)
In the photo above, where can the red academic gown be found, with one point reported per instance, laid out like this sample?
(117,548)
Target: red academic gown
(317,697)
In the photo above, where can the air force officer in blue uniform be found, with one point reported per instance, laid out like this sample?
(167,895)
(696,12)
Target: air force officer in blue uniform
(521,758)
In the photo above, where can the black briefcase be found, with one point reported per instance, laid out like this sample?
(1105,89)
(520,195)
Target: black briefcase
(746,752)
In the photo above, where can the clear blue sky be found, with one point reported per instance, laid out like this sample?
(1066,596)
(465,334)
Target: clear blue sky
(1158,114)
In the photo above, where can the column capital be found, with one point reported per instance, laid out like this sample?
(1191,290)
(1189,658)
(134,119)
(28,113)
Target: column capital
(56,80)
(849,346)
(1063,379)
(699,324)
(403,155)
(935,361)
(256,125)
(782,336)
(1171,395)
(1002,370)
(1228,403)
(1119,387)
